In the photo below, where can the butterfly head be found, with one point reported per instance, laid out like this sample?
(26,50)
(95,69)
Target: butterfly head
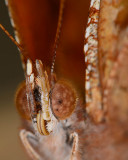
(47,104)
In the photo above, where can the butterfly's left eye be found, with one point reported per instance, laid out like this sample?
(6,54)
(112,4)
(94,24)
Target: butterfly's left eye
(21,102)
(63,100)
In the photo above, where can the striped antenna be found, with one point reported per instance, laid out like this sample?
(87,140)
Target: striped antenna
(13,40)
(59,25)
(92,81)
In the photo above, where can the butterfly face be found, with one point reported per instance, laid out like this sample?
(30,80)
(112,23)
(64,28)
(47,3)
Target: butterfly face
(46,105)
(51,106)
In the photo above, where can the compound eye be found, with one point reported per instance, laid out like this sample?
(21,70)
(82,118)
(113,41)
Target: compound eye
(63,100)
(21,102)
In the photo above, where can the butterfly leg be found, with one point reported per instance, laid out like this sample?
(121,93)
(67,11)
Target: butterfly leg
(74,146)
(30,142)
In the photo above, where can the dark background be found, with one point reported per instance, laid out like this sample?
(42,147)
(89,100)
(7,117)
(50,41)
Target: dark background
(11,74)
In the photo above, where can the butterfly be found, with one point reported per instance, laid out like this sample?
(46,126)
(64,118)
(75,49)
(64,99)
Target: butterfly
(43,101)
(51,105)
(56,124)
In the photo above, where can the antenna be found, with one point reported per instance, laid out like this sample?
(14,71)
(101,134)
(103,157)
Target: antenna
(13,40)
(57,36)
(59,25)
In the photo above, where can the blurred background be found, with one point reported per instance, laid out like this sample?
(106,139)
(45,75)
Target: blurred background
(11,74)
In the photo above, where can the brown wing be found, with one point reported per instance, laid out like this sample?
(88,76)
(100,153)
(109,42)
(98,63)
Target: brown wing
(36,23)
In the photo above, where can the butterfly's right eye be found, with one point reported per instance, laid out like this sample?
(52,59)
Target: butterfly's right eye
(63,100)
